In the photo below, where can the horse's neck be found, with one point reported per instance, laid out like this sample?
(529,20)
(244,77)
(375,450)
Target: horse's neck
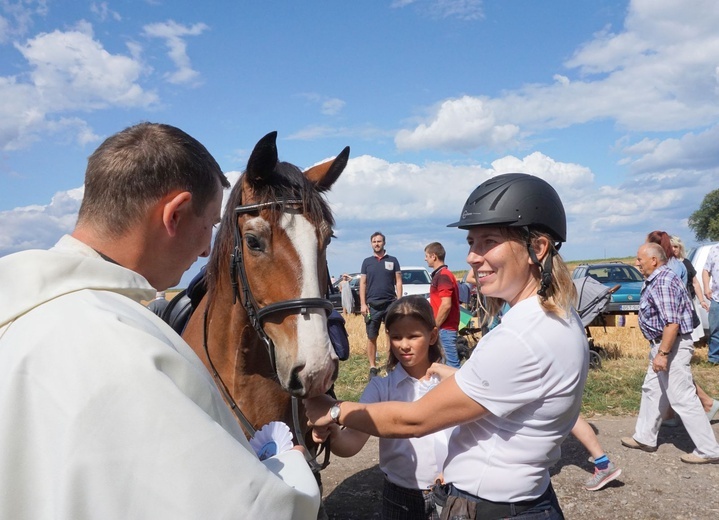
(240,358)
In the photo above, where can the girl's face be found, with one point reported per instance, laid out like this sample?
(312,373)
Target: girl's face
(502,266)
(409,340)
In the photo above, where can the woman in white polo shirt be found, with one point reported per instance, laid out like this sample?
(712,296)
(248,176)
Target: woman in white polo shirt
(518,396)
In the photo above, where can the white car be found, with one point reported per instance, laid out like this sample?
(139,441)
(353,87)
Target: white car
(415,280)
(698,257)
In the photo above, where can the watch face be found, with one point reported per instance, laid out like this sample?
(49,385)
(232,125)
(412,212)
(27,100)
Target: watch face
(335,412)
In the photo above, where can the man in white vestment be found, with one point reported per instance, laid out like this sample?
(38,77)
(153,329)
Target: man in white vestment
(105,412)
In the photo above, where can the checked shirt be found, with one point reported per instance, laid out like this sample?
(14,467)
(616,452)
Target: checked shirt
(664,300)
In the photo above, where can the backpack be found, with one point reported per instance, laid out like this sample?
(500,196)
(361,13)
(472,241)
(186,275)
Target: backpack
(338,335)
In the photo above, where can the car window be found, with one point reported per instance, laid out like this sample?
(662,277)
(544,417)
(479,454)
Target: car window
(618,274)
(599,274)
(415,277)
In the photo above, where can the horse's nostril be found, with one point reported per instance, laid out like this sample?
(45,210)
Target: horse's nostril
(296,385)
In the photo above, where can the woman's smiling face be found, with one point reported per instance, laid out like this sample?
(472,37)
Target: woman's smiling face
(502,265)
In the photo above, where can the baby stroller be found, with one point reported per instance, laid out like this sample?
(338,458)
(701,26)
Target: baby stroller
(467,336)
(593,298)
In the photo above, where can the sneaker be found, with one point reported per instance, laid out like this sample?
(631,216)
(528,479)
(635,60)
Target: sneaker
(691,458)
(373,372)
(602,477)
(630,442)
(714,409)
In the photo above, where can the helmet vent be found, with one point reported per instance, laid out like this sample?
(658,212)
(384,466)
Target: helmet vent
(498,199)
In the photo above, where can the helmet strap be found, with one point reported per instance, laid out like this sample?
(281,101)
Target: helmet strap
(545,268)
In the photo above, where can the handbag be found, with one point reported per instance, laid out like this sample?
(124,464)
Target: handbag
(450,507)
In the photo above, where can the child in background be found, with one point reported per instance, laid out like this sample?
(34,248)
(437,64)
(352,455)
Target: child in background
(411,466)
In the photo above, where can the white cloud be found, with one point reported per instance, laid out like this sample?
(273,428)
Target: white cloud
(658,74)
(460,124)
(103,12)
(73,71)
(329,106)
(4,29)
(462,9)
(19,17)
(173,33)
(690,152)
(39,227)
(70,71)
(332,106)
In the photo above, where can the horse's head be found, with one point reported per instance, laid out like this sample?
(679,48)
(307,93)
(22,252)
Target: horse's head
(276,229)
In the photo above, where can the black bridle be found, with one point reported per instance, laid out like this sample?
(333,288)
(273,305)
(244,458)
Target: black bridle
(257,315)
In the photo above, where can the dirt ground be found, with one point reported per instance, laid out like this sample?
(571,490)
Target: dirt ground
(652,485)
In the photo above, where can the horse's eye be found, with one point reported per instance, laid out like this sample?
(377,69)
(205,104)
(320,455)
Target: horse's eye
(253,242)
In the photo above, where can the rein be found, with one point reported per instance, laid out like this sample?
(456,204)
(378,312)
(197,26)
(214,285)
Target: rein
(256,316)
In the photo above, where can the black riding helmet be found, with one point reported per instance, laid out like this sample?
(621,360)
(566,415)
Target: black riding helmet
(515,200)
(518,200)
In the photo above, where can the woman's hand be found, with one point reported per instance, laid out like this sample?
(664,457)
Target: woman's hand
(441,370)
(318,410)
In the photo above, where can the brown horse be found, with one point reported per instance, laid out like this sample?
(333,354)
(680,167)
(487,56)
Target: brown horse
(261,329)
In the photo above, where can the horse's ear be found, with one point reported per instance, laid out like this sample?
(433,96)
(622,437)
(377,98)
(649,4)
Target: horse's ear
(263,158)
(324,175)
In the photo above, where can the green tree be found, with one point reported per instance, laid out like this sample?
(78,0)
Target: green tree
(705,221)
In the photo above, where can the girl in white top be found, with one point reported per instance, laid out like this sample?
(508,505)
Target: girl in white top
(411,466)
(518,396)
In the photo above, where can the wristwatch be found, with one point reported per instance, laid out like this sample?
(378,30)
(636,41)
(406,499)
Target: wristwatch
(335,412)
(662,353)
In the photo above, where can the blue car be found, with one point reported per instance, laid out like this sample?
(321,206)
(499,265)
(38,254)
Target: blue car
(626,299)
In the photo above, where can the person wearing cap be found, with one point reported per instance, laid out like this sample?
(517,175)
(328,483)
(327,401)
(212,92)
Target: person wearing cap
(517,398)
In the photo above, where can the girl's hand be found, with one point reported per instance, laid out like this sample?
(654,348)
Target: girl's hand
(441,370)
(318,410)
(299,448)
(320,433)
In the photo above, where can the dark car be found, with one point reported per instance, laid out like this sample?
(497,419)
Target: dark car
(626,298)
(336,296)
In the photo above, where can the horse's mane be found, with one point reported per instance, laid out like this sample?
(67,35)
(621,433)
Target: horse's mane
(285,182)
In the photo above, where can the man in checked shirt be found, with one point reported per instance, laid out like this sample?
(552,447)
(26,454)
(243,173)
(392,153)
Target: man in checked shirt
(665,319)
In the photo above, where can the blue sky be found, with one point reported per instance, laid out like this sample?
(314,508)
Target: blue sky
(615,103)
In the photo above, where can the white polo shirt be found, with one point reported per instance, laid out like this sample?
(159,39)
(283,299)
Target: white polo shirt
(409,463)
(529,372)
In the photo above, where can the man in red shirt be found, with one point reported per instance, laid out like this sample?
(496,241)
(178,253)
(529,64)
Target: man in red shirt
(444,298)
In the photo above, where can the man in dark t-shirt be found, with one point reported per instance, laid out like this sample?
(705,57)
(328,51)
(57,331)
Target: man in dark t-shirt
(380,285)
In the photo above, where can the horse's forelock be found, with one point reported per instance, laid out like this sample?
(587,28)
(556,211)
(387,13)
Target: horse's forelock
(284,183)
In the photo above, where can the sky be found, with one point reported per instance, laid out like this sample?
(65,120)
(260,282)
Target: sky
(614,103)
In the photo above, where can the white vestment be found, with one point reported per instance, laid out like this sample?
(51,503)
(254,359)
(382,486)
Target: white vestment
(106,413)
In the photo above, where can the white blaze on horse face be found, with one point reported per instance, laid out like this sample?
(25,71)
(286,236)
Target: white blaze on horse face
(313,346)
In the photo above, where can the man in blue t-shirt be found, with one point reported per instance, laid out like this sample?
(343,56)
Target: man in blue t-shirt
(380,285)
